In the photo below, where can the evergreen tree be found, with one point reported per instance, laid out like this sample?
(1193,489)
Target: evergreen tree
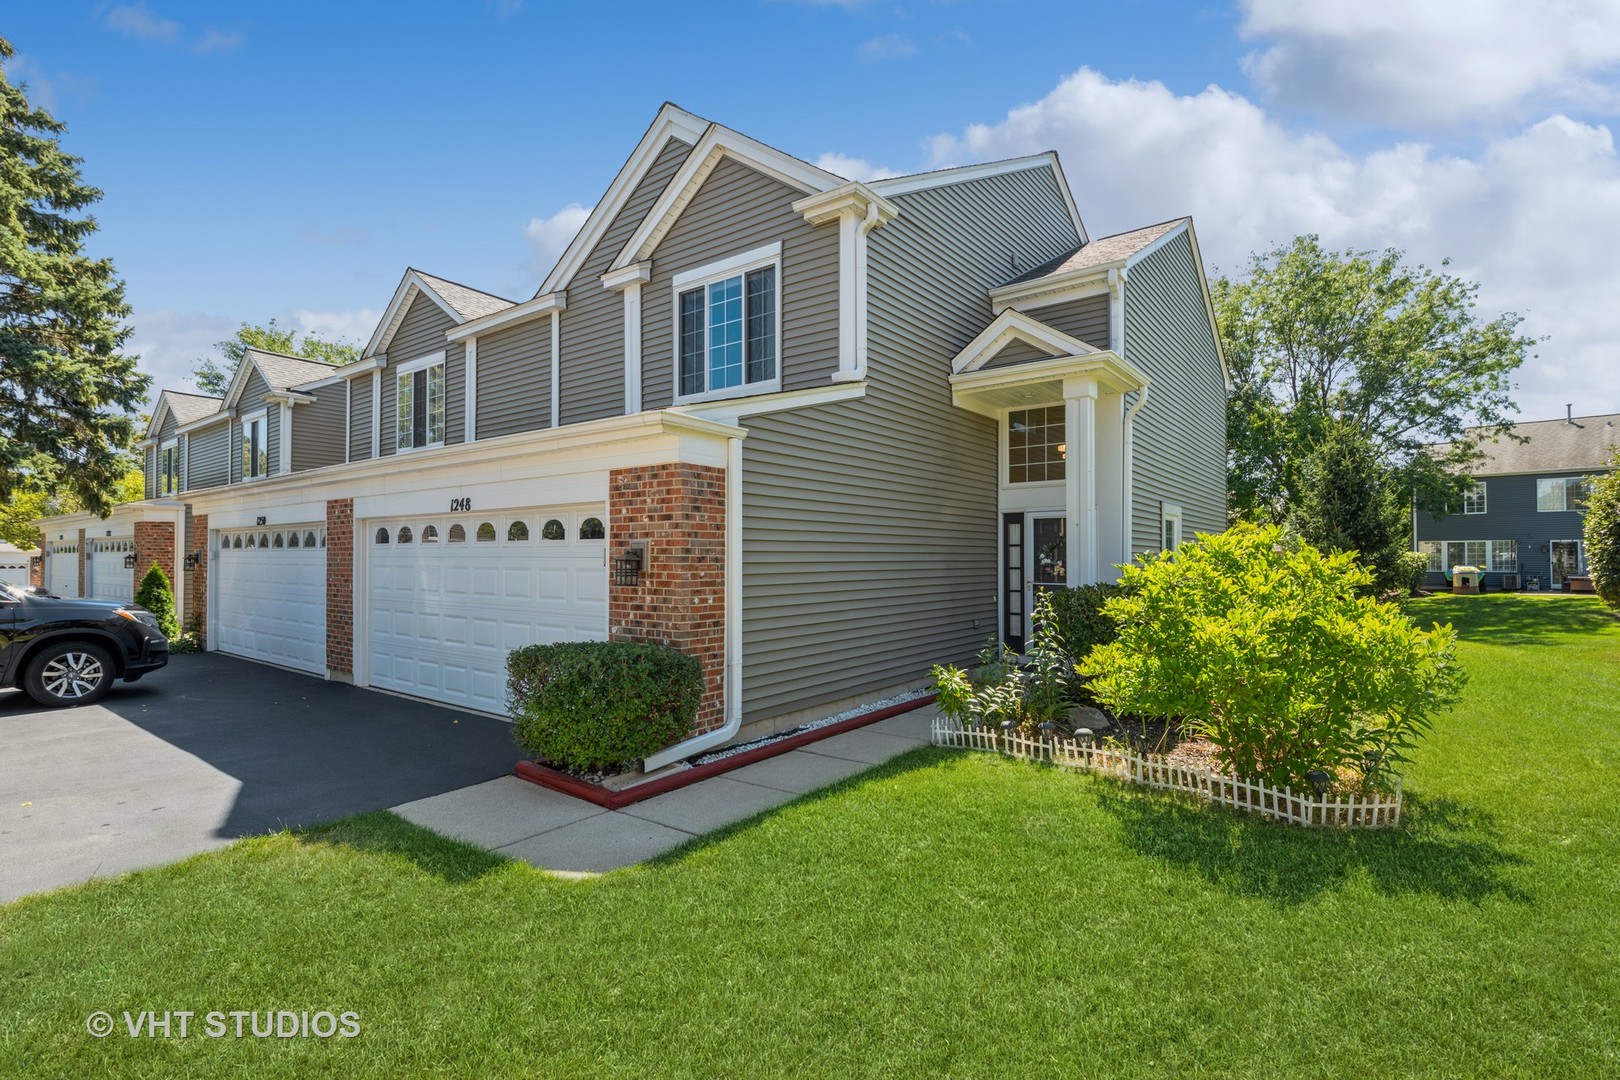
(157,596)
(67,391)
(1347,503)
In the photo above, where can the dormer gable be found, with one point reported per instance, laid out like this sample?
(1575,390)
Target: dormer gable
(460,302)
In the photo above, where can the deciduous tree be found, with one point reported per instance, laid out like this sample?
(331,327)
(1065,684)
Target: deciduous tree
(213,376)
(1603,533)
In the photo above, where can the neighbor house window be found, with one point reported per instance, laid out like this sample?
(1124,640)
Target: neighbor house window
(1474,499)
(419,405)
(255,455)
(1035,446)
(1505,556)
(728,327)
(1560,493)
(169,469)
(1170,522)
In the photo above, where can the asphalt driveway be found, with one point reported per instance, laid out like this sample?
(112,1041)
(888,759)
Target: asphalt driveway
(210,749)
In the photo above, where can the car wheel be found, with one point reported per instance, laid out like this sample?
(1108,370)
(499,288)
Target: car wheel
(70,673)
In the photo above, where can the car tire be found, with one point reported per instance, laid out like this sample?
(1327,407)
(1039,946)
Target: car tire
(69,673)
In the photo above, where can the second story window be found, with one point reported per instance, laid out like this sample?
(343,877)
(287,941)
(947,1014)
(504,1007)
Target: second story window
(169,468)
(255,451)
(1560,493)
(1036,449)
(419,406)
(728,327)
(1474,499)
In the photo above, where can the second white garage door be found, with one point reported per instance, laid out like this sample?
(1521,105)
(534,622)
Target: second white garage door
(449,597)
(270,595)
(110,579)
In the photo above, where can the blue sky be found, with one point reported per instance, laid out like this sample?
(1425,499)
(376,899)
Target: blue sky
(290,160)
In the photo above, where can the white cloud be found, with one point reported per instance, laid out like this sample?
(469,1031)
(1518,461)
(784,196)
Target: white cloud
(853,168)
(887,47)
(1434,61)
(138,21)
(1534,215)
(549,236)
(170,343)
(354,327)
(218,41)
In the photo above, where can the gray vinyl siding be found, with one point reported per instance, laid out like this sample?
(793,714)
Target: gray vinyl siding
(318,430)
(1179,451)
(251,401)
(1016,351)
(360,418)
(870,529)
(272,439)
(1510,514)
(151,472)
(207,457)
(420,333)
(737,210)
(1085,319)
(514,379)
(591,368)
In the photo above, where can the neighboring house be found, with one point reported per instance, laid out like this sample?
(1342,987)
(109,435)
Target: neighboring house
(16,563)
(1522,520)
(820,433)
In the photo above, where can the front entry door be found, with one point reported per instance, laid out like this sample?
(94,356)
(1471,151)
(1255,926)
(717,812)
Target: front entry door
(1035,552)
(1566,562)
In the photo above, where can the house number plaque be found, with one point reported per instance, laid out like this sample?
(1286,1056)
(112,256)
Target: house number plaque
(459,505)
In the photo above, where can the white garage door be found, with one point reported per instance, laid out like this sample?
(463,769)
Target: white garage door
(449,597)
(62,569)
(108,577)
(270,595)
(14,569)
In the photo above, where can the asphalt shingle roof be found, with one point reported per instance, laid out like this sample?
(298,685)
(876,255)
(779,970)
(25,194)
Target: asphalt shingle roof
(282,372)
(1101,251)
(188,407)
(1568,446)
(471,303)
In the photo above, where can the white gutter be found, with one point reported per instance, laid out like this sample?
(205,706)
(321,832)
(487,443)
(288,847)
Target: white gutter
(731,683)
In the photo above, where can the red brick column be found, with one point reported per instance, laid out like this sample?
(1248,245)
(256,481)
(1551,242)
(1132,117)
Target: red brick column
(340,586)
(679,513)
(82,557)
(154,543)
(197,582)
(36,566)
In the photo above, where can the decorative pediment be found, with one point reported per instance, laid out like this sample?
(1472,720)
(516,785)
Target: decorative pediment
(1014,327)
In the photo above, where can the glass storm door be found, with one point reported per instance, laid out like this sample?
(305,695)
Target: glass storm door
(1035,552)
(1566,561)
(1048,555)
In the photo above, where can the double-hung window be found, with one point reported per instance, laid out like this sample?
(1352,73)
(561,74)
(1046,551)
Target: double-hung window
(728,327)
(1560,493)
(419,404)
(169,468)
(1474,499)
(255,449)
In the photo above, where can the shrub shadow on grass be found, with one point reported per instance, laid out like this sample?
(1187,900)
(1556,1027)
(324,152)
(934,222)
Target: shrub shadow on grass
(382,833)
(1443,849)
(1514,619)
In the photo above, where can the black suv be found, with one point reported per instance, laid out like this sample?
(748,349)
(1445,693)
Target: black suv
(69,652)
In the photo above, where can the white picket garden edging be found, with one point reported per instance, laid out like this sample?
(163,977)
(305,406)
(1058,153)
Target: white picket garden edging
(1376,810)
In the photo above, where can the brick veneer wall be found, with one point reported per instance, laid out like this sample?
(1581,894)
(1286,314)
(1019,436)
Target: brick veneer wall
(154,543)
(36,566)
(340,586)
(679,513)
(197,582)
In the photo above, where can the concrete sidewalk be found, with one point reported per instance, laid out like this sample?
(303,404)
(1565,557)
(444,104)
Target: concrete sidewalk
(564,835)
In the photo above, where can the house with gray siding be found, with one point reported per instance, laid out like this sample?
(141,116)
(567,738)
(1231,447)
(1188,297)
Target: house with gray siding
(1522,521)
(821,433)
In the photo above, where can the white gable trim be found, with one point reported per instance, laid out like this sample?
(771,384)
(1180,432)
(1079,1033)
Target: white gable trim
(239,380)
(717,144)
(154,425)
(543,304)
(1012,326)
(671,122)
(904,185)
(409,286)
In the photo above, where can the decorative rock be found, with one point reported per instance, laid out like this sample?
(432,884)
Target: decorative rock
(1088,717)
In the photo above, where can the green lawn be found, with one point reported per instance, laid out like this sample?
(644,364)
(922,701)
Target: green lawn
(950,913)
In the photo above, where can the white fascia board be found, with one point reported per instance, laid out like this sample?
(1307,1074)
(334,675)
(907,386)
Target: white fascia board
(206,422)
(1111,372)
(734,409)
(671,122)
(635,274)
(290,397)
(1068,198)
(401,302)
(155,425)
(717,144)
(905,185)
(360,367)
(544,304)
(1055,289)
(1147,249)
(239,380)
(1013,325)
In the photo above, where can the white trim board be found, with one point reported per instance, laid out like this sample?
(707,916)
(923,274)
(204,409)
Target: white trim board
(394,315)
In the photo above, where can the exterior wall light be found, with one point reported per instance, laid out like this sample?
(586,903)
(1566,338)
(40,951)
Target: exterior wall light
(627,567)
(194,560)
(129,561)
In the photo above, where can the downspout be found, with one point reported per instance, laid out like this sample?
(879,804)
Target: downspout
(732,679)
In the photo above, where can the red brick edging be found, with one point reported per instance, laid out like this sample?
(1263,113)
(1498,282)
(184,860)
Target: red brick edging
(613,800)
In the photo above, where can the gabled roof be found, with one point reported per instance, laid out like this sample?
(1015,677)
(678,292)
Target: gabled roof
(962,174)
(1011,326)
(457,301)
(1575,445)
(279,371)
(1101,252)
(184,407)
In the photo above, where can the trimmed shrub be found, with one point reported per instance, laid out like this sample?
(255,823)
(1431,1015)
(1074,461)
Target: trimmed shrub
(156,596)
(1414,568)
(1602,531)
(597,705)
(1277,654)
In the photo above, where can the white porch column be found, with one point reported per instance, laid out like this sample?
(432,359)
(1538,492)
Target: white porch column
(1110,485)
(1080,472)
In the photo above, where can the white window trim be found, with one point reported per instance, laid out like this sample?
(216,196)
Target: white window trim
(163,448)
(411,367)
(262,417)
(1170,512)
(1566,481)
(1479,490)
(686,281)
